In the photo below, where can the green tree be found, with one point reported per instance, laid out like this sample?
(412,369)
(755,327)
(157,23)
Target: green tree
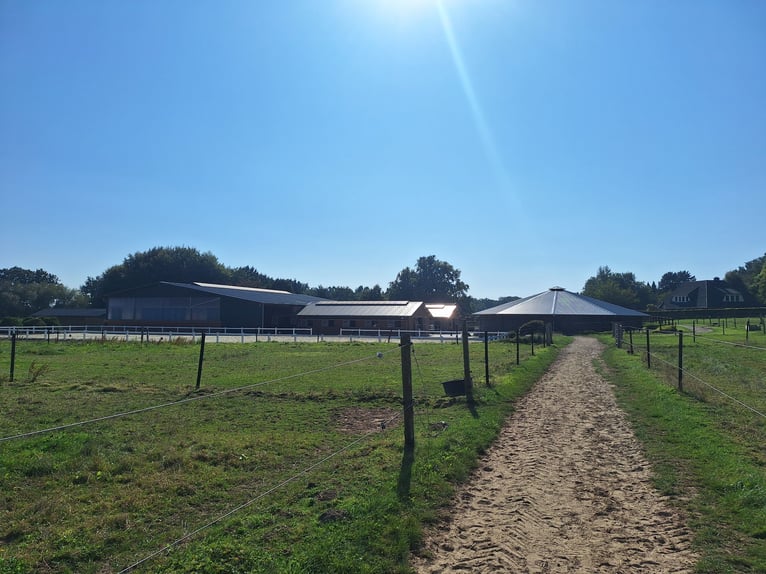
(618,288)
(374,293)
(760,286)
(673,279)
(249,277)
(747,278)
(179,264)
(431,281)
(335,293)
(23,292)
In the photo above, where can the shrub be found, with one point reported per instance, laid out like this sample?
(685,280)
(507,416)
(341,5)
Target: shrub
(10,322)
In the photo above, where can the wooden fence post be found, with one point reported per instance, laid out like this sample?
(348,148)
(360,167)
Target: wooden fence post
(467,365)
(13,354)
(201,358)
(648,351)
(681,361)
(486,357)
(409,406)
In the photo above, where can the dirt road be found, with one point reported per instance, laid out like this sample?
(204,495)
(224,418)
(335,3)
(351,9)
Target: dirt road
(564,489)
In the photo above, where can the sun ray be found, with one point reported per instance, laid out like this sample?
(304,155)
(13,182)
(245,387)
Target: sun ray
(477,112)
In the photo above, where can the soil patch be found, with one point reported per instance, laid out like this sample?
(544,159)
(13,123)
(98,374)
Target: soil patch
(359,420)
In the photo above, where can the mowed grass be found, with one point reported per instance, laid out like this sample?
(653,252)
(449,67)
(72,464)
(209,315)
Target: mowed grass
(289,458)
(706,443)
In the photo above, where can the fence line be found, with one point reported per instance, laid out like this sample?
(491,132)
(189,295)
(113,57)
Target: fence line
(252,501)
(728,396)
(270,490)
(686,371)
(132,333)
(186,400)
(733,344)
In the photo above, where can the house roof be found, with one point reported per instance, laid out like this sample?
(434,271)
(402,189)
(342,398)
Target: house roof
(251,294)
(705,294)
(361,309)
(559,302)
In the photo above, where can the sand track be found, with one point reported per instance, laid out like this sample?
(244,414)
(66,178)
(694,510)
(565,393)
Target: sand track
(564,489)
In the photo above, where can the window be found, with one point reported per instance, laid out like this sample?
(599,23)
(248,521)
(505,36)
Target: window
(680,298)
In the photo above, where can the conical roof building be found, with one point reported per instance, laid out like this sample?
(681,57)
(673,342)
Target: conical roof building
(567,312)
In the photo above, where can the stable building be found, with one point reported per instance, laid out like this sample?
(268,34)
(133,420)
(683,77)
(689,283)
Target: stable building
(330,317)
(205,305)
(561,311)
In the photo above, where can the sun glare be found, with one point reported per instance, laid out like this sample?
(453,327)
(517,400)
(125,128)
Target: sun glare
(403,11)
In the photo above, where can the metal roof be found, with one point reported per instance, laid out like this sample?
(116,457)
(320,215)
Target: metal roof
(441,310)
(559,302)
(252,294)
(361,309)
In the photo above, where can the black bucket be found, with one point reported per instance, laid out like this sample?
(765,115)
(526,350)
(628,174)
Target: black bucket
(454,388)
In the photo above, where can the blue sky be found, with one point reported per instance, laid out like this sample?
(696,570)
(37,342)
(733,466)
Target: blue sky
(527,143)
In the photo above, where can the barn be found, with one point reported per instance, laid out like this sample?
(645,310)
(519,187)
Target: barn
(566,312)
(205,305)
(329,317)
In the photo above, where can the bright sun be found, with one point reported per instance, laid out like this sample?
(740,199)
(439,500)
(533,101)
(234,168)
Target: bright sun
(404,10)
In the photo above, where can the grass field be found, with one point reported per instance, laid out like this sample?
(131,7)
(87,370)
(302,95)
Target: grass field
(707,443)
(279,463)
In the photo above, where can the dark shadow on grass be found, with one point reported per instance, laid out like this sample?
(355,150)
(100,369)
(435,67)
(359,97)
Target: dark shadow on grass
(405,473)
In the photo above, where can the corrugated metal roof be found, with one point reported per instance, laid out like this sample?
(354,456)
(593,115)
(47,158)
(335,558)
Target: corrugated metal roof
(361,309)
(252,294)
(558,301)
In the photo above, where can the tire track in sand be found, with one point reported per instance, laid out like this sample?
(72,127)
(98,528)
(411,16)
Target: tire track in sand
(564,489)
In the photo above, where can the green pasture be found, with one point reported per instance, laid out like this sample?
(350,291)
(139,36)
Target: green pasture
(706,443)
(289,458)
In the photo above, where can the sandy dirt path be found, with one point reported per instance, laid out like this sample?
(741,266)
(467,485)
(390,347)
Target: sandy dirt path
(564,489)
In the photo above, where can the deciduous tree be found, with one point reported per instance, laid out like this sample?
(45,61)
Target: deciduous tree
(432,281)
(673,279)
(618,288)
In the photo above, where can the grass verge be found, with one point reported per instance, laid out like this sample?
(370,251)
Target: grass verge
(702,458)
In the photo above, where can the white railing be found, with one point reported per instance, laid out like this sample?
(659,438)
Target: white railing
(153,333)
(229,334)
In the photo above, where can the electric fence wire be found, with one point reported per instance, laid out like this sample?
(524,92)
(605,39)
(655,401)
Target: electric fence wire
(732,343)
(150,408)
(712,387)
(255,499)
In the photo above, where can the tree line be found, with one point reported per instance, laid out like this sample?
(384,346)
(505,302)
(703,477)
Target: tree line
(23,291)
